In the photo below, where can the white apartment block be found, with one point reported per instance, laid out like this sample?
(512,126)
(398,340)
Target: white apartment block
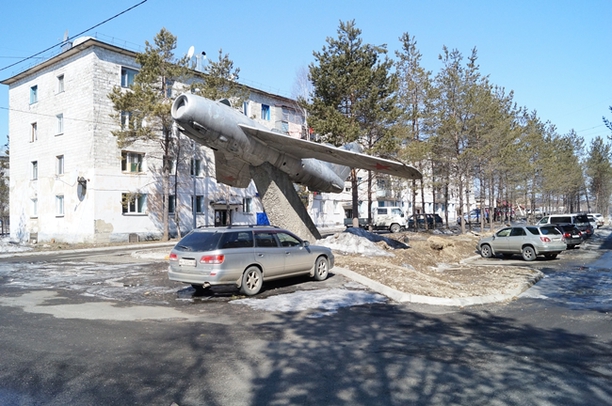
(71,183)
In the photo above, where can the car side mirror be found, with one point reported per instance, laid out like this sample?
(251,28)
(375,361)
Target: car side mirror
(306,243)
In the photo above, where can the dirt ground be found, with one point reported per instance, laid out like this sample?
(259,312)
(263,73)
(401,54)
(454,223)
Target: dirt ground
(432,266)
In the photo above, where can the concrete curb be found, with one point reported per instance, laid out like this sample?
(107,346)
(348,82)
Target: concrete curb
(402,297)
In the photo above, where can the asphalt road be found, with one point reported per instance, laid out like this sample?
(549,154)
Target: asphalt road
(74,340)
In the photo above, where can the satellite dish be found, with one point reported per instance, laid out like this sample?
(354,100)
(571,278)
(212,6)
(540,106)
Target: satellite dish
(190,52)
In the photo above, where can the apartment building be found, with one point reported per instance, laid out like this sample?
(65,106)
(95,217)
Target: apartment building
(71,183)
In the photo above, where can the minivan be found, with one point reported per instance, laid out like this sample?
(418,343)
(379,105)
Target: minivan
(581,221)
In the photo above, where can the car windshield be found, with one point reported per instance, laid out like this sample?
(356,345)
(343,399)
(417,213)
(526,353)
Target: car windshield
(199,241)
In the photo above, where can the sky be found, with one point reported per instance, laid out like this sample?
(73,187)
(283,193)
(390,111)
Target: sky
(554,55)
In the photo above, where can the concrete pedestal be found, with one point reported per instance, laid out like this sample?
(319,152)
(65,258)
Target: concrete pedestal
(282,203)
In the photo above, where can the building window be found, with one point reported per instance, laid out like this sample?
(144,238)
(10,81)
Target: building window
(34,94)
(60,83)
(131,161)
(199,204)
(34,170)
(171,203)
(245,108)
(127,77)
(60,124)
(284,127)
(59,205)
(34,132)
(169,85)
(196,167)
(34,207)
(59,165)
(247,205)
(134,203)
(265,112)
(170,163)
(129,121)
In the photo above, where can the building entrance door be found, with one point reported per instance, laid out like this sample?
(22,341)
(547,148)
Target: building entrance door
(222,218)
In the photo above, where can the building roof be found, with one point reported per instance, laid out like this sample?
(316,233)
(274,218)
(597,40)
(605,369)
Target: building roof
(78,46)
(82,43)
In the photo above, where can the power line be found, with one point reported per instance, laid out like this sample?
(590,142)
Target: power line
(74,36)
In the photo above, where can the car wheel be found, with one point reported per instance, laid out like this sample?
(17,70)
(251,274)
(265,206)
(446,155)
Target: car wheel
(570,247)
(550,256)
(485,251)
(528,253)
(321,269)
(252,280)
(395,228)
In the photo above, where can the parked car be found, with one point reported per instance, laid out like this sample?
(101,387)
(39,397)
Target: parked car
(581,222)
(599,218)
(433,220)
(593,221)
(529,241)
(245,256)
(473,217)
(571,234)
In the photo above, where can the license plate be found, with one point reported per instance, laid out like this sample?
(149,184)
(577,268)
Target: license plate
(187,262)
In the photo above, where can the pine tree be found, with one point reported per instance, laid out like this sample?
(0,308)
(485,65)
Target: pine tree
(353,97)
(143,111)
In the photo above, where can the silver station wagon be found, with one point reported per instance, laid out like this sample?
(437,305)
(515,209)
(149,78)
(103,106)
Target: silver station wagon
(245,256)
(528,241)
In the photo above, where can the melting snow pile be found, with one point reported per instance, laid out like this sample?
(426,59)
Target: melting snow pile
(7,246)
(358,241)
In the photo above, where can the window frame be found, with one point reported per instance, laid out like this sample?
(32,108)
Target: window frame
(199,199)
(196,167)
(127,76)
(265,112)
(59,206)
(33,131)
(34,170)
(60,123)
(127,164)
(171,204)
(59,165)
(60,84)
(136,205)
(33,94)
(34,206)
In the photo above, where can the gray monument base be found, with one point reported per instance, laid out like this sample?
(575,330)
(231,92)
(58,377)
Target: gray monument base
(282,203)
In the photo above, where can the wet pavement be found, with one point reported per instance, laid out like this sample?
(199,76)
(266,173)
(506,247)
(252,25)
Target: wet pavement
(580,287)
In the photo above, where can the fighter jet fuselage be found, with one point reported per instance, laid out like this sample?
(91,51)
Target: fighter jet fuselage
(240,142)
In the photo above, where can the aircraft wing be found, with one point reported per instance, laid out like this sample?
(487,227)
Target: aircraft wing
(308,149)
(232,171)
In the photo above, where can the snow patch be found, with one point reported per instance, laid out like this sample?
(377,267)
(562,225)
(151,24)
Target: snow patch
(358,241)
(329,300)
(6,245)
